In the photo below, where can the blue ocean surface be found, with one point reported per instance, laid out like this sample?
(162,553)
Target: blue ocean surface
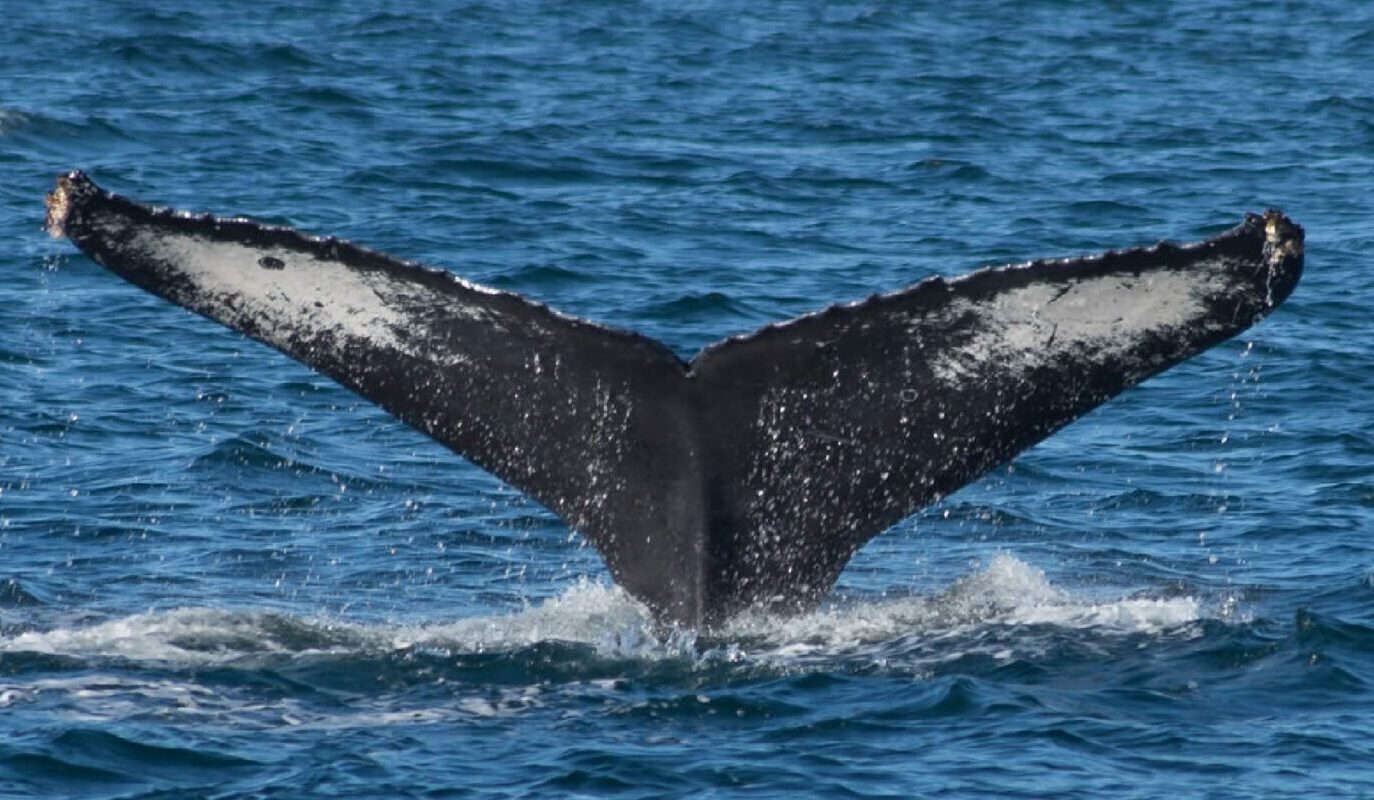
(224,576)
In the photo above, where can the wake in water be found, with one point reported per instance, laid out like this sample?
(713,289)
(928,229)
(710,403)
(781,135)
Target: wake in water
(602,622)
(591,648)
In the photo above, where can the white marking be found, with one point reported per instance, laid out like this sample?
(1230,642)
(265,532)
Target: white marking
(317,301)
(1096,318)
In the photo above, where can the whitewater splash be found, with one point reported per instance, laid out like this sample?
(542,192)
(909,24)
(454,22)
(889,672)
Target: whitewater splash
(1007,592)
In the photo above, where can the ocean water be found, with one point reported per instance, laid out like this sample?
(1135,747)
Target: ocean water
(224,576)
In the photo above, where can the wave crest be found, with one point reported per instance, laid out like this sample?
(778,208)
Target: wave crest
(603,622)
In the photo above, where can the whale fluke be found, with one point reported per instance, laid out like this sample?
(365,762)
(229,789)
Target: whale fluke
(751,474)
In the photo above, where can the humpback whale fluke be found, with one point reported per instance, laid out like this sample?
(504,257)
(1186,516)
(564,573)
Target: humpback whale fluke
(751,474)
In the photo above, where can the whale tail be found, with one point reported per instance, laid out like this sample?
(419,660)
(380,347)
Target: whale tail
(750,475)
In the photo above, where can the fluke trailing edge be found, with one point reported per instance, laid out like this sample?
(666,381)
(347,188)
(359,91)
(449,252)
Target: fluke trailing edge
(751,474)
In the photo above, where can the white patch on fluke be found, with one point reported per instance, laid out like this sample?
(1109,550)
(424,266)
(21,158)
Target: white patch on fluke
(1094,318)
(305,299)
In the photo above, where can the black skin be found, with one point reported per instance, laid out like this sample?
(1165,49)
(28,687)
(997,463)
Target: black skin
(749,476)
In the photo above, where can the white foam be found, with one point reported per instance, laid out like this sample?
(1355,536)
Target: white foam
(587,613)
(1006,593)
(186,635)
(106,698)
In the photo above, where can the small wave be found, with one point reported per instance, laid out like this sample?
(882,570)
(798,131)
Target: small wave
(190,636)
(266,453)
(952,169)
(602,622)
(242,451)
(604,617)
(539,276)
(10,119)
(13,594)
(1007,592)
(695,304)
(1319,631)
